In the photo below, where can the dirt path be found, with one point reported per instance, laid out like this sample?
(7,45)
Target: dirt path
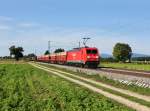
(119,99)
(123,91)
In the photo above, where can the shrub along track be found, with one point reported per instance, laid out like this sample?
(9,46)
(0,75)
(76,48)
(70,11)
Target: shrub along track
(84,82)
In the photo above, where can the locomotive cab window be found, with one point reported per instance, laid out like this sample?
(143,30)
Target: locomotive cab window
(94,51)
(91,51)
(88,51)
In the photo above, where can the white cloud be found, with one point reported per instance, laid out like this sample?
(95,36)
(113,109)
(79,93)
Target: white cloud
(5,23)
(68,38)
(5,27)
(27,25)
(5,18)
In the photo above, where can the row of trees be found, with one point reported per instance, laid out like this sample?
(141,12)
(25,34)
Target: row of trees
(141,59)
(17,52)
(56,51)
(121,53)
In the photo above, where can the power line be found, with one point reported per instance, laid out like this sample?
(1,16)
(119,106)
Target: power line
(79,44)
(49,46)
(35,51)
(85,40)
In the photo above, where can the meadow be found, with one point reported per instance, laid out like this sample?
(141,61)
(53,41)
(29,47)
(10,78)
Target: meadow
(133,66)
(25,88)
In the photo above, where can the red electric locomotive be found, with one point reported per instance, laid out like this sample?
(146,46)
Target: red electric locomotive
(84,57)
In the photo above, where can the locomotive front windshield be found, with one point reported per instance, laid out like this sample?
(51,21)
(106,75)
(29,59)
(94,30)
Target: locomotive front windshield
(91,51)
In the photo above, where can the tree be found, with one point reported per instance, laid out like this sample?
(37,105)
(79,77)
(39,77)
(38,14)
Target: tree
(59,50)
(46,52)
(16,52)
(122,52)
(31,56)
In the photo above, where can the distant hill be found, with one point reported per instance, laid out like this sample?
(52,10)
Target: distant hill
(104,55)
(139,55)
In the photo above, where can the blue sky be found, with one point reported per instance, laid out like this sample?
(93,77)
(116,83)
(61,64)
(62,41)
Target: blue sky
(31,23)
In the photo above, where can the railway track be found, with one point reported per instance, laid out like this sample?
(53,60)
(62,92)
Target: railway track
(138,73)
(128,77)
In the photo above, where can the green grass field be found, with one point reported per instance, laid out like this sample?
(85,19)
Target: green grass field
(134,66)
(11,61)
(24,88)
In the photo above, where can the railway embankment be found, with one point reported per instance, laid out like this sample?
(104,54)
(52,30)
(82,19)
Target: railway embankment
(124,78)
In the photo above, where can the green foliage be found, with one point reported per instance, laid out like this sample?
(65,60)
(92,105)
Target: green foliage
(16,51)
(110,59)
(141,59)
(24,88)
(30,57)
(122,52)
(46,52)
(133,66)
(59,50)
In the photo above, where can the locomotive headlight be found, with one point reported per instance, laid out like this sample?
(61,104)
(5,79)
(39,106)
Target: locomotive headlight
(97,57)
(88,57)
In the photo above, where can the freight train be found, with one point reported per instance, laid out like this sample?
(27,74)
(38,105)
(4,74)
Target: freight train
(83,57)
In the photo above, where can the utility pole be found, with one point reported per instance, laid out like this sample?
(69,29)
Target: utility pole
(35,51)
(79,44)
(85,40)
(49,46)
